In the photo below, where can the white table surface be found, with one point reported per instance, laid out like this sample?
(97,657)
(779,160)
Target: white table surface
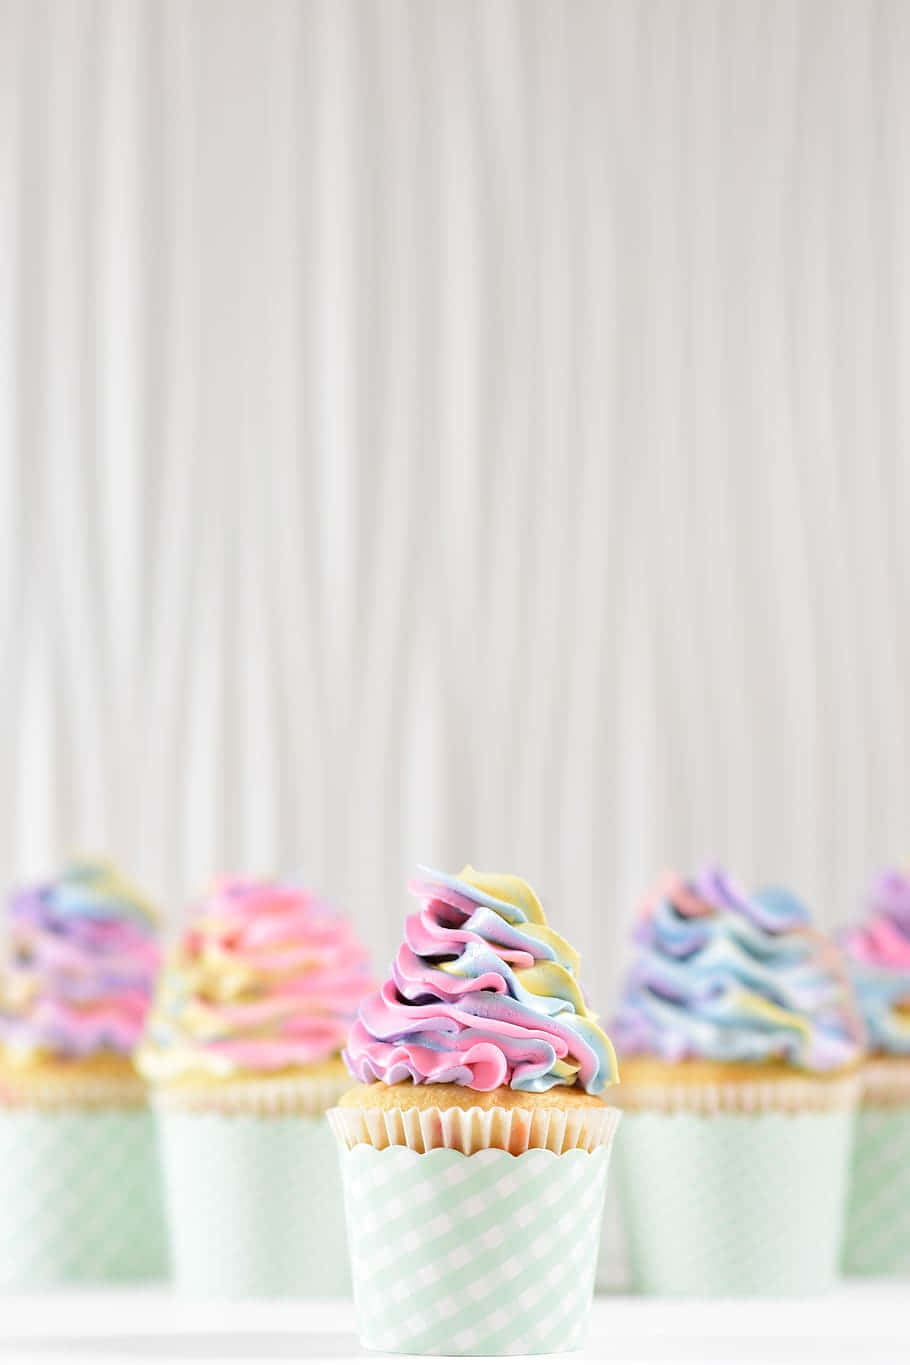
(862,1324)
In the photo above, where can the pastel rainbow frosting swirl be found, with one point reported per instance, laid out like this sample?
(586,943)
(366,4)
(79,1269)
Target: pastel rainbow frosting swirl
(78,967)
(879,956)
(722,975)
(266,977)
(483,994)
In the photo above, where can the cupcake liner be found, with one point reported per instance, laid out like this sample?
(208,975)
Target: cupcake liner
(489,1254)
(52,1090)
(734,1204)
(267,1097)
(612,1274)
(255,1205)
(473,1130)
(794,1095)
(878,1219)
(80,1195)
(886,1083)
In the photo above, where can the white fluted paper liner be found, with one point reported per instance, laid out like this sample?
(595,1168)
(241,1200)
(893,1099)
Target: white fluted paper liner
(268,1097)
(56,1094)
(474,1130)
(782,1095)
(886,1083)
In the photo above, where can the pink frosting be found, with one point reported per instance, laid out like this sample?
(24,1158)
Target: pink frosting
(79,965)
(879,953)
(882,944)
(884,939)
(506,1009)
(266,976)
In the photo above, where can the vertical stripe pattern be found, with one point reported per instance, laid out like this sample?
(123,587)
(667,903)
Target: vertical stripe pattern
(454,430)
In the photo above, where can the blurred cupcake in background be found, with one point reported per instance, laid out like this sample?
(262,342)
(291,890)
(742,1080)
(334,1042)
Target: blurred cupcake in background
(475,1149)
(878,1225)
(740,1044)
(79,1178)
(243,1048)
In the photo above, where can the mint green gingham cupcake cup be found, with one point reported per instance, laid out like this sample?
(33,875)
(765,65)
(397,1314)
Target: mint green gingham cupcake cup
(878,1218)
(80,1188)
(474,1151)
(253,1191)
(738,1199)
(488,1254)
(480,1254)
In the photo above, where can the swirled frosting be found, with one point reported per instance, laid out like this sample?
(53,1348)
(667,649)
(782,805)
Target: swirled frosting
(483,993)
(879,955)
(79,966)
(726,976)
(265,977)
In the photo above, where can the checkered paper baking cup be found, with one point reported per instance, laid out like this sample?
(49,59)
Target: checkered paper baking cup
(878,1220)
(80,1197)
(612,1275)
(489,1254)
(255,1205)
(268,1097)
(734,1204)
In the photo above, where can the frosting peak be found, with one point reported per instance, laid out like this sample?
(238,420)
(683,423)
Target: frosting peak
(79,965)
(879,956)
(265,977)
(723,975)
(483,993)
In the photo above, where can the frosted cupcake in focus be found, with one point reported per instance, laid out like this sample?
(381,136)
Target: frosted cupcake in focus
(243,1049)
(740,1045)
(475,1149)
(878,1225)
(79,1181)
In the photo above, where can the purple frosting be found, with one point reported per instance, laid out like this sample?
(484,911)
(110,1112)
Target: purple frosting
(80,966)
(723,975)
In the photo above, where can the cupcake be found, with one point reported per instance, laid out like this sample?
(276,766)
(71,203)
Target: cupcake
(475,1149)
(878,1223)
(740,1045)
(79,1182)
(242,1048)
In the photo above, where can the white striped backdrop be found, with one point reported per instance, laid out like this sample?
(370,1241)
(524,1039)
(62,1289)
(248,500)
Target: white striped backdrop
(443,431)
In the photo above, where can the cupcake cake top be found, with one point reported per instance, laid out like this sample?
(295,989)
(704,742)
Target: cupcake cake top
(879,956)
(78,966)
(483,994)
(266,977)
(726,976)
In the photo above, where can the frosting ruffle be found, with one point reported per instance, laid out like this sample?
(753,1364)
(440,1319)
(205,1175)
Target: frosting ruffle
(482,994)
(79,966)
(879,956)
(726,976)
(265,977)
